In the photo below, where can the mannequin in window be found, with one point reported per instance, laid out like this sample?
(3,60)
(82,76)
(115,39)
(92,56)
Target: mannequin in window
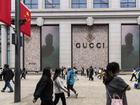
(129,59)
(47,51)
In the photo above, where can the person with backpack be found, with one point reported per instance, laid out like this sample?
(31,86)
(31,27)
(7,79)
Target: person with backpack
(8,75)
(115,86)
(59,88)
(44,88)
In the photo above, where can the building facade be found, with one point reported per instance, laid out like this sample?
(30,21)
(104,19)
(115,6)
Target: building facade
(78,33)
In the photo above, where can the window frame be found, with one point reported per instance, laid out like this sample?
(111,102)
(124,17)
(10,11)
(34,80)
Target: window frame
(78,4)
(54,5)
(100,3)
(128,4)
(31,5)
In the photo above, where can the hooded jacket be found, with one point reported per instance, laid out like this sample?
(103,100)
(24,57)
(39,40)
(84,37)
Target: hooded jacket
(70,77)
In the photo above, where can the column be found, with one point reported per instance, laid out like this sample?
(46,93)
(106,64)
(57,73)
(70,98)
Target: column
(12,50)
(13,5)
(41,4)
(114,3)
(3,45)
(65,4)
(21,54)
(89,4)
(115,42)
(138,3)
(65,44)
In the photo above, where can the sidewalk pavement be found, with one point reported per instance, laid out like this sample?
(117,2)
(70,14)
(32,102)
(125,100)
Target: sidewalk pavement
(90,92)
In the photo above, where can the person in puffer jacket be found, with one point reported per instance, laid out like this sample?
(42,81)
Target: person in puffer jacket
(71,81)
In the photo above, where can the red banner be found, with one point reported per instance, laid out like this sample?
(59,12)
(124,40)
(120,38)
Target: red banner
(5,12)
(25,15)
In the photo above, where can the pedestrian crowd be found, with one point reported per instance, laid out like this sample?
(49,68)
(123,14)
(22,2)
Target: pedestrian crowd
(91,72)
(48,85)
(55,84)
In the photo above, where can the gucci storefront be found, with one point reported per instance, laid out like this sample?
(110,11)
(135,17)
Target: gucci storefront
(82,46)
(81,37)
(90,45)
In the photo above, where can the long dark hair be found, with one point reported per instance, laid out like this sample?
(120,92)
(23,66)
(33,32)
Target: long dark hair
(111,70)
(6,66)
(46,72)
(57,73)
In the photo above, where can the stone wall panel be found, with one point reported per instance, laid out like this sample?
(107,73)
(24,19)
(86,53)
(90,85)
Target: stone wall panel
(32,50)
(95,50)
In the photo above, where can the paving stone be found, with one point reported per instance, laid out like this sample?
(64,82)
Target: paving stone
(90,92)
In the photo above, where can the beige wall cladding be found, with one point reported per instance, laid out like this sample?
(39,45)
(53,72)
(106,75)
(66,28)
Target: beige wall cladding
(90,46)
(32,50)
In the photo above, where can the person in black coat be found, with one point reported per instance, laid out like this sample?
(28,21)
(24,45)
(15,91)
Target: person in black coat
(8,75)
(44,88)
(23,73)
(91,72)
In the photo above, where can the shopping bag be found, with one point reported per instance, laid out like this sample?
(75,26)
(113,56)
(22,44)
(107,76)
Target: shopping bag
(116,102)
(115,99)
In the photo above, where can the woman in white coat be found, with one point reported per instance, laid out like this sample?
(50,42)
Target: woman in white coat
(59,88)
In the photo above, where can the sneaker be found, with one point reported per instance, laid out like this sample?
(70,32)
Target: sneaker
(2,91)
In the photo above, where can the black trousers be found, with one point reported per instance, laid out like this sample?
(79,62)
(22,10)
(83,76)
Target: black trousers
(133,75)
(70,87)
(91,77)
(58,96)
(48,102)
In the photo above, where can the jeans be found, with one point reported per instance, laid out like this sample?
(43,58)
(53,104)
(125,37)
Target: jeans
(7,84)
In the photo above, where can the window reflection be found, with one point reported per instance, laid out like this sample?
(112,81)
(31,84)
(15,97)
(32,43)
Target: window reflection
(128,3)
(100,3)
(52,3)
(130,46)
(32,4)
(78,3)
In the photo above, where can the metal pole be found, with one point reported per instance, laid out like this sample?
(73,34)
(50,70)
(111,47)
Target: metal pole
(23,51)
(17,95)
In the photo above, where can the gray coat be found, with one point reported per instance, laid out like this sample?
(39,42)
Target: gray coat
(116,86)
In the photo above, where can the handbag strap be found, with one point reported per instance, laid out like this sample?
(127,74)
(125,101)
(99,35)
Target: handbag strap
(114,93)
(108,93)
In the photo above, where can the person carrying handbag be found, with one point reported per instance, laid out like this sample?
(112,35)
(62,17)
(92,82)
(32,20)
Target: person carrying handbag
(115,98)
(115,85)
